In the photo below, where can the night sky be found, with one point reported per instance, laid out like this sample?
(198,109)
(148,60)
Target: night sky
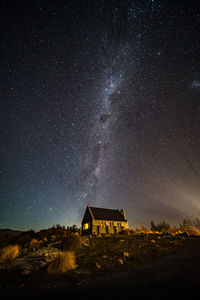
(100,105)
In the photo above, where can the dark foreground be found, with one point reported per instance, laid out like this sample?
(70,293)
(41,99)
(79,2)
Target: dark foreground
(177,275)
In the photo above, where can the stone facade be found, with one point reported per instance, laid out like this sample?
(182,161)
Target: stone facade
(97,221)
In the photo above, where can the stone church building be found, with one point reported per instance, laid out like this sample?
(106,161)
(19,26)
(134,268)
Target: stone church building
(98,221)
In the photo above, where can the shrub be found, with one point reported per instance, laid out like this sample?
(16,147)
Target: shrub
(191,227)
(124,232)
(73,228)
(9,253)
(63,262)
(132,231)
(53,238)
(143,229)
(33,242)
(162,227)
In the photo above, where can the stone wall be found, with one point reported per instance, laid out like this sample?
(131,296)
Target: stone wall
(108,227)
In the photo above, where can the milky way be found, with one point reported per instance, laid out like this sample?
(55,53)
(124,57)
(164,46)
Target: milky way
(107,109)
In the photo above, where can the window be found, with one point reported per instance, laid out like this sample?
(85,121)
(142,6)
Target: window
(86,226)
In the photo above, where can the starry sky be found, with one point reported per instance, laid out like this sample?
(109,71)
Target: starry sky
(100,105)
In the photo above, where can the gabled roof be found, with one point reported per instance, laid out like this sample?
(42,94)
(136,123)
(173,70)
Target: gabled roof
(107,214)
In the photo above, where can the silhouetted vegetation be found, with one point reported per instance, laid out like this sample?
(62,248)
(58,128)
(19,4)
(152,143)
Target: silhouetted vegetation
(28,238)
(189,227)
(163,226)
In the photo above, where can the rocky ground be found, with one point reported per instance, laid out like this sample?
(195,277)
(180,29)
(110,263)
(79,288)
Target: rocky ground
(31,261)
(113,273)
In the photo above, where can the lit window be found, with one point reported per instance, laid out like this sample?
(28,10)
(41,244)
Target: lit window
(85,226)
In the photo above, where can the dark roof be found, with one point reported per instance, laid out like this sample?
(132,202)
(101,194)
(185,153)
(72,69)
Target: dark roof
(107,214)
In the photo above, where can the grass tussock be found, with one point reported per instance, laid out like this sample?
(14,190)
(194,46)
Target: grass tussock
(33,242)
(9,253)
(71,242)
(64,262)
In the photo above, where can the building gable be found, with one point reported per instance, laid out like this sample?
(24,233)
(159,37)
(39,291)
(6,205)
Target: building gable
(87,216)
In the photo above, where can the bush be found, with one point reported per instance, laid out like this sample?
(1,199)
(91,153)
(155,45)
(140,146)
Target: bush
(53,238)
(9,253)
(63,262)
(162,227)
(193,230)
(124,232)
(132,231)
(33,242)
(191,227)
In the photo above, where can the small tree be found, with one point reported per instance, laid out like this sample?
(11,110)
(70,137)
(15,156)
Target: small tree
(153,226)
(73,228)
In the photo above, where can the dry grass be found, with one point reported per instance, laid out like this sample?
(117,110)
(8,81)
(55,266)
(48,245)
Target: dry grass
(71,242)
(64,261)
(33,242)
(193,230)
(9,253)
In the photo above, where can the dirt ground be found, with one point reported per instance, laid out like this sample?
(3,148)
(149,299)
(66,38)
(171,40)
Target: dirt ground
(176,276)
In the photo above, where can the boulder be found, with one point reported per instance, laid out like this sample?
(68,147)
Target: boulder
(25,272)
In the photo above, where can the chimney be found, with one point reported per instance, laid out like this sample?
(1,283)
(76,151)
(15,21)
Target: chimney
(122,211)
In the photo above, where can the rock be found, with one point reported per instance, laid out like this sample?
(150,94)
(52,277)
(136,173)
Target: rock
(85,241)
(43,264)
(82,272)
(120,260)
(98,266)
(25,272)
(25,250)
(153,241)
(126,254)
(49,259)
